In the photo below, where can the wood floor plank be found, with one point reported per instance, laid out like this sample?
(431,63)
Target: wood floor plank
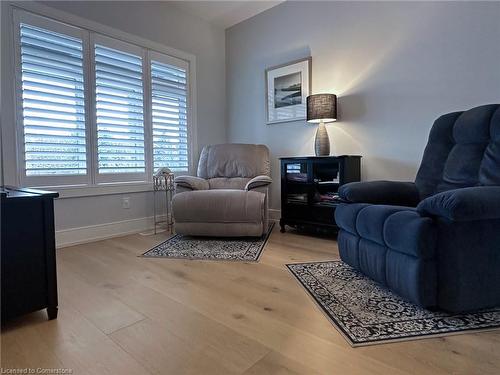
(70,341)
(239,351)
(95,303)
(276,364)
(162,352)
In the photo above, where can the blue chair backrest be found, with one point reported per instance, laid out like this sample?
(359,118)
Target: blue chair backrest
(463,150)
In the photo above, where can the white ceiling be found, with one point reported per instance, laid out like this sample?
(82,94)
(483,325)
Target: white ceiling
(225,13)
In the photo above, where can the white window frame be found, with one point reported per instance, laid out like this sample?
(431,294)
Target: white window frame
(58,21)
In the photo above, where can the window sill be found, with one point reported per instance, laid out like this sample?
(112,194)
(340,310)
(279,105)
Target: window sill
(104,189)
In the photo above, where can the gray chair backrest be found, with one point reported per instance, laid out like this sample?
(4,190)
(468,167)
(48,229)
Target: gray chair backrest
(463,150)
(234,160)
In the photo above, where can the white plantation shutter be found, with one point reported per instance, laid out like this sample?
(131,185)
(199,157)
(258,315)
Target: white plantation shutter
(53,108)
(119,111)
(169,96)
(93,110)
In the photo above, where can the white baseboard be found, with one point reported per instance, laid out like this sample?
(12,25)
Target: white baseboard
(75,236)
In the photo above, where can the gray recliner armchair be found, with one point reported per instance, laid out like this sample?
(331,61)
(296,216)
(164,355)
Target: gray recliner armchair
(229,196)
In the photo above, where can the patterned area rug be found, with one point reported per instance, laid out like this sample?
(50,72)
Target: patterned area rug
(244,249)
(366,313)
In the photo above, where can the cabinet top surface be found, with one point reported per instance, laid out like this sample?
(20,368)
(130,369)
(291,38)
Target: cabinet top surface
(319,157)
(15,192)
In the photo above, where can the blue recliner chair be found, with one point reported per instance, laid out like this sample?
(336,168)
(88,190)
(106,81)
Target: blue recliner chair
(435,242)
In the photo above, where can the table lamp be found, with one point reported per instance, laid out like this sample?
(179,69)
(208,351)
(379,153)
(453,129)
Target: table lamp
(321,108)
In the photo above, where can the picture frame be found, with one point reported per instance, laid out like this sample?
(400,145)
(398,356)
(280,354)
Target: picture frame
(287,87)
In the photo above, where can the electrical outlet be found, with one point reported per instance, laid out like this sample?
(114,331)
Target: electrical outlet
(126,202)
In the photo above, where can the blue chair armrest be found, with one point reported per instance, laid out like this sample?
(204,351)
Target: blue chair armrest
(381,192)
(466,204)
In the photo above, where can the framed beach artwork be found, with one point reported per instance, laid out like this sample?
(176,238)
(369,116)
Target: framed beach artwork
(287,87)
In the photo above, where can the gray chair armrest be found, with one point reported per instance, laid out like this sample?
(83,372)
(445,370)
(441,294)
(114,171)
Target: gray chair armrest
(258,181)
(191,182)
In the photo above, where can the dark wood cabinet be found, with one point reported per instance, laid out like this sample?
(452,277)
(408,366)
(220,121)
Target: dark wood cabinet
(28,257)
(309,187)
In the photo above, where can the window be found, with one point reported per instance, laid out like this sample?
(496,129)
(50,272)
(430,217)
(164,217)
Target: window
(93,109)
(52,104)
(119,111)
(169,111)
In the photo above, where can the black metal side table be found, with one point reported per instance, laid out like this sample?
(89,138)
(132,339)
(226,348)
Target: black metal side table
(163,182)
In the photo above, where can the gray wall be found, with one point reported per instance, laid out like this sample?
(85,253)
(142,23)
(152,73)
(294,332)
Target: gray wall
(394,66)
(159,22)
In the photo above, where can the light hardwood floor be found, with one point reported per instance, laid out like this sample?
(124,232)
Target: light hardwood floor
(120,314)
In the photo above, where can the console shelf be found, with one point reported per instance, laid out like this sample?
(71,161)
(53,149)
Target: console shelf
(309,186)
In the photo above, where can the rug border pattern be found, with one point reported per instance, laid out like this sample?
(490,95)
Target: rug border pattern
(264,240)
(355,342)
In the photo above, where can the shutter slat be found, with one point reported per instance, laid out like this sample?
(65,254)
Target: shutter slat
(159,69)
(69,61)
(120,117)
(108,99)
(103,105)
(121,157)
(124,149)
(172,127)
(39,129)
(170,82)
(120,143)
(169,115)
(131,85)
(120,94)
(120,170)
(37,96)
(117,62)
(55,153)
(50,46)
(49,71)
(120,131)
(164,121)
(48,63)
(58,172)
(117,72)
(53,103)
(42,104)
(168,91)
(34,120)
(169,100)
(53,38)
(34,78)
(52,89)
(170,108)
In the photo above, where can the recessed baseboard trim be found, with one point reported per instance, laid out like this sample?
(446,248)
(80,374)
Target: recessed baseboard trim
(91,233)
(274,214)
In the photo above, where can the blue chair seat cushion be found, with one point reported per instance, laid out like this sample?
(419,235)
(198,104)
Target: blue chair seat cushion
(398,228)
